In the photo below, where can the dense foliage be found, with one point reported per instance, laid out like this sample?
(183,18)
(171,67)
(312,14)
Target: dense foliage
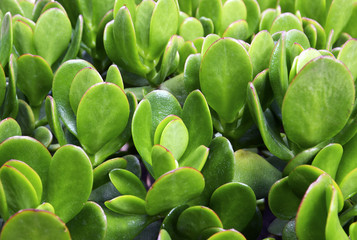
(178,119)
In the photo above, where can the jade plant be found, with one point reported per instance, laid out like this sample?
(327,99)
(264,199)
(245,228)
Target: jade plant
(178,119)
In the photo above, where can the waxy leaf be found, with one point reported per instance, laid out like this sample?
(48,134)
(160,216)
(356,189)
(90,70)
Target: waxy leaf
(192,72)
(2,85)
(114,76)
(101,173)
(29,151)
(163,235)
(54,121)
(228,234)
(232,11)
(190,29)
(250,164)
(253,15)
(70,170)
(9,128)
(89,223)
(142,28)
(62,81)
(211,9)
(323,107)
(83,80)
(46,207)
(18,190)
(34,224)
(23,38)
(286,22)
(283,202)
(224,82)
(44,135)
(29,174)
(52,34)
(74,47)
(26,118)
(162,161)
(96,126)
(237,30)
(348,162)
(127,204)
(163,25)
(178,187)
(328,159)
(220,157)
(34,78)
(10,105)
(194,220)
(235,205)
(196,159)
(347,55)
(127,183)
(261,47)
(6,39)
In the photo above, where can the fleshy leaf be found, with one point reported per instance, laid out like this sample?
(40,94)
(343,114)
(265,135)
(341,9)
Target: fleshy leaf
(235,204)
(127,204)
(323,107)
(224,82)
(89,223)
(70,181)
(178,187)
(162,161)
(52,34)
(127,183)
(96,126)
(30,224)
(101,173)
(9,128)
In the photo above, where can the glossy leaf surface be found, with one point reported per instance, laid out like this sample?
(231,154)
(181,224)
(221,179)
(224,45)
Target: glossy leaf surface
(127,183)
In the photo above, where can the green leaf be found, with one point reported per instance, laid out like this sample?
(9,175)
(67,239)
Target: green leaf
(142,27)
(211,9)
(232,11)
(130,4)
(114,76)
(10,106)
(127,183)
(142,130)
(251,164)
(192,72)
(163,25)
(219,167)
(167,59)
(101,173)
(320,32)
(26,118)
(52,34)
(328,159)
(29,151)
(96,126)
(175,138)
(89,223)
(9,128)
(44,135)
(227,234)
(190,29)
(315,10)
(29,174)
(224,82)
(348,160)
(286,22)
(185,49)
(54,121)
(322,108)
(334,21)
(278,71)
(125,41)
(194,220)
(196,159)
(127,204)
(62,81)
(178,187)
(271,138)
(353,231)
(163,235)
(6,39)
(262,46)
(74,47)
(207,24)
(237,30)
(46,207)
(283,202)
(347,187)
(160,128)
(32,224)
(23,38)
(2,85)
(235,205)
(70,181)
(18,190)
(295,39)
(267,18)
(347,55)
(162,161)
(253,15)
(34,78)
(11,6)
(83,80)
